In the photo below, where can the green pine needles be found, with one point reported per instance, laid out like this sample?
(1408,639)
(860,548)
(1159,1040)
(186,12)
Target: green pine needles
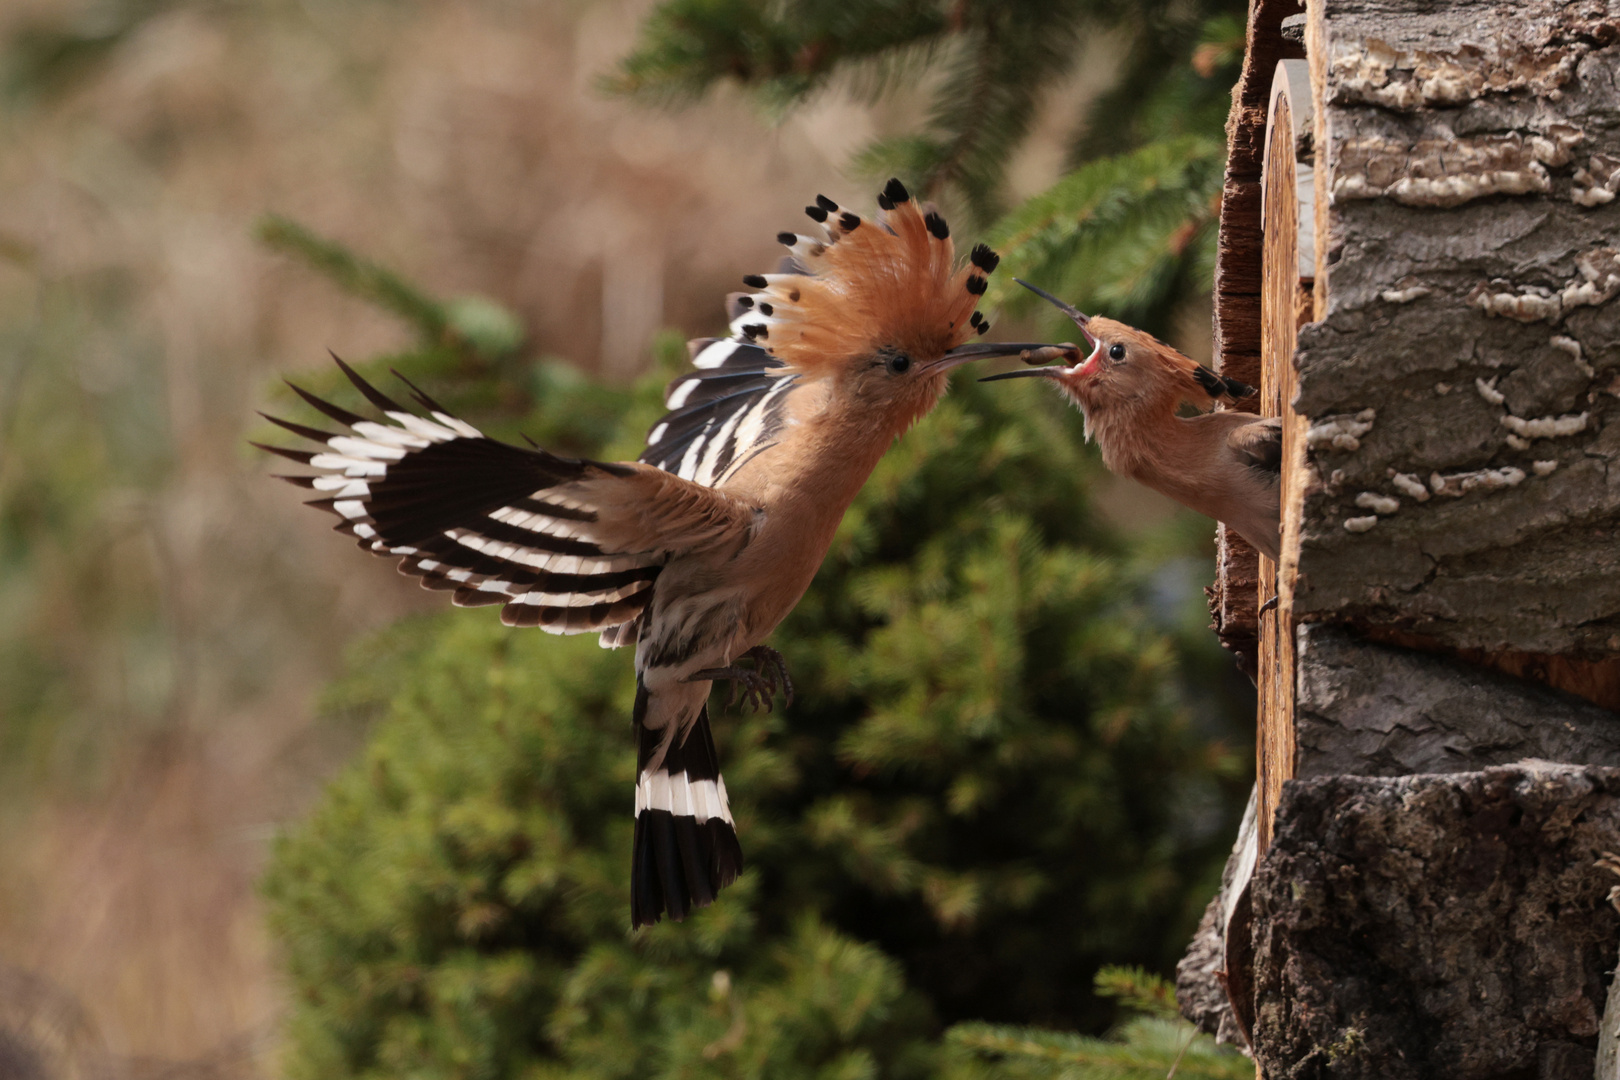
(1133,233)
(1128,233)
(1151,1044)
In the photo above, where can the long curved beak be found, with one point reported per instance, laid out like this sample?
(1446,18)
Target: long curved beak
(984,350)
(1080,318)
(1056,371)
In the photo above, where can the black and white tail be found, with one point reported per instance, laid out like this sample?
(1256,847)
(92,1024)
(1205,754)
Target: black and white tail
(685,848)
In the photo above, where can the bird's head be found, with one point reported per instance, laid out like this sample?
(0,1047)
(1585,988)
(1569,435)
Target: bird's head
(877,308)
(1123,372)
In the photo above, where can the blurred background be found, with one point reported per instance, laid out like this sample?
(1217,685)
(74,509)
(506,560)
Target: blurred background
(199,196)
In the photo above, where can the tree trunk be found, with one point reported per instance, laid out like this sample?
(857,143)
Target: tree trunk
(1444,224)
(1461,379)
(1387,949)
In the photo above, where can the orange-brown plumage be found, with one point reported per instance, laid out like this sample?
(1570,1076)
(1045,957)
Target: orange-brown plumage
(1131,387)
(887,282)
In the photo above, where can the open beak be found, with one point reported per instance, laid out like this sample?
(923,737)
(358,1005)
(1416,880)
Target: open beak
(962,354)
(1080,318)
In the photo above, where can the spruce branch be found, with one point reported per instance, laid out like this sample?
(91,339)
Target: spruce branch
(1138,989)
(1142,1049)
(783,51)
(360,277)
(1122,235)
(474,325)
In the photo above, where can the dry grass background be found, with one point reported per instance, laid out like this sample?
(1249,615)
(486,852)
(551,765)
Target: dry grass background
(167,614)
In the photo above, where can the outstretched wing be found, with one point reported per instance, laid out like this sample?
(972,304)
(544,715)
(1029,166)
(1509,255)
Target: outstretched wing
(567,545)
(722,414)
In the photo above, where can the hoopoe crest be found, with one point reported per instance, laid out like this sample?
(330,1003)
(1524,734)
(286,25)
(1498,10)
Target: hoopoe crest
(893,285)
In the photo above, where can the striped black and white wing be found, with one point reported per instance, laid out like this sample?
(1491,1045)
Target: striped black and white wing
(491,522)
(722,414)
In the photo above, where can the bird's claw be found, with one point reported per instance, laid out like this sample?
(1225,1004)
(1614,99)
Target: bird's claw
(757,685)
(772,667)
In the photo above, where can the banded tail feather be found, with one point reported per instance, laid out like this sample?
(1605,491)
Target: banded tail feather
(489,522)
(685,848)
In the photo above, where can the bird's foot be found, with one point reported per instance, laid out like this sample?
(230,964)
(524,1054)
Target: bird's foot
(759,684)
(772,667)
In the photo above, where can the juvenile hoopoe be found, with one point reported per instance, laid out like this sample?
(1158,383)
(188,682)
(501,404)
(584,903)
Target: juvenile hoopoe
(696,551)
(1131,385)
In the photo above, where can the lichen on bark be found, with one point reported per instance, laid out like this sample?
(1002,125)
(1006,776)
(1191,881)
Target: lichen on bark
(1464,246)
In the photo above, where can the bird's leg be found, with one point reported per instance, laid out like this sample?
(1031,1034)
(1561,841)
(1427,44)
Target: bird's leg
(757,684)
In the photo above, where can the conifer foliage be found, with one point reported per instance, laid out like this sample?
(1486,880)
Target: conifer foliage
(1129,232)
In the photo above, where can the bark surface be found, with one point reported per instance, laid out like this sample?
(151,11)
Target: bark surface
(1437,926)
(1367,709)
(1375,710)
(1461,504)
(1463,385)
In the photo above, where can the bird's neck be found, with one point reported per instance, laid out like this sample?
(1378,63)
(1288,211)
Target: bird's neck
(1132,435)
(1174,455)
(838,451)
(822,458)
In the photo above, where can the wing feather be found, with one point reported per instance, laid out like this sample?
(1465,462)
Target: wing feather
(1259,446)
(722,413)
(567,545)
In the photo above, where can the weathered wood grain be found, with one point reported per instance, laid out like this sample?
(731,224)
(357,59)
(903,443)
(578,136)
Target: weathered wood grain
(1238,264)
(1288,114)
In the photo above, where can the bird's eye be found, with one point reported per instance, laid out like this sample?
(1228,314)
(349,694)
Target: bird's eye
(1116,352)
(898,365)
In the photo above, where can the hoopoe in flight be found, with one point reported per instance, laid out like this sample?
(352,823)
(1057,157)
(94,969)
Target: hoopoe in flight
(696,551)
(1130,387)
